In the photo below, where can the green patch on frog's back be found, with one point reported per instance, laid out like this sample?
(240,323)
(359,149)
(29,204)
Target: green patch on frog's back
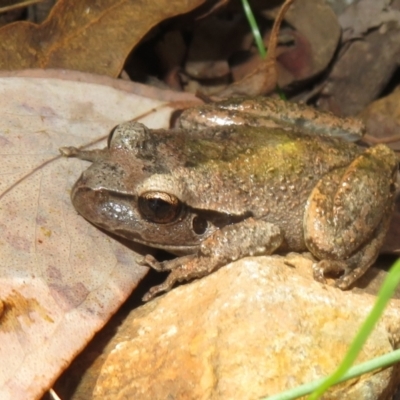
(262,151)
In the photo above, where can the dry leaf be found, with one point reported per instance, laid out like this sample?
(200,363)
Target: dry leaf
(60,277)
(366,15)
(262,80)
(85,35)
(316,37)
(382,120)
(367,60)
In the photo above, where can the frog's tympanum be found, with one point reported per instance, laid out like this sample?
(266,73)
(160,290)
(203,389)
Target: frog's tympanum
(246,186)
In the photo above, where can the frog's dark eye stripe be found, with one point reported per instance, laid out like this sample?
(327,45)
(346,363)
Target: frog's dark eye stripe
(159,207)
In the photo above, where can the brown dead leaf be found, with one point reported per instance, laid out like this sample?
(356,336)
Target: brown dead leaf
(262,80)
(60,277)
(315,39)
(382,120)
(305,49)
(362,16)
(6,6)
(367,60)
(85,35)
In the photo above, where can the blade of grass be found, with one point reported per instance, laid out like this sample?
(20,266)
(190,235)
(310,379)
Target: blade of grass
(254,28)
(379,362)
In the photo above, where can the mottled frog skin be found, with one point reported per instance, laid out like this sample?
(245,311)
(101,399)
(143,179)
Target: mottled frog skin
(219,193)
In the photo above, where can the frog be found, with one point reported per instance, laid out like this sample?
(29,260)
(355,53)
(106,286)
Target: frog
(225,184)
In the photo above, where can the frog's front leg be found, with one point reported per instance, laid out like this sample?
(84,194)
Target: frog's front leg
(348,213)
(247,238)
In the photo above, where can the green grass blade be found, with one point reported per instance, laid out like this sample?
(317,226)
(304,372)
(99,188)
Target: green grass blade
(379,362)
(254,28)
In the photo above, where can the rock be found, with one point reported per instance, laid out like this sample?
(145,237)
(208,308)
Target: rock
(254,328)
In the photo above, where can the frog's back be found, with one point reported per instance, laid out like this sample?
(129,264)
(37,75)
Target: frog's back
(264,173)
(234,169)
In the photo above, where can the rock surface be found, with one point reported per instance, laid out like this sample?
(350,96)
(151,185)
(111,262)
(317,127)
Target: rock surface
(254,328)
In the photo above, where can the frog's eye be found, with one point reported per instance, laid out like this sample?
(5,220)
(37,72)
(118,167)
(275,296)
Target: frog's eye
(159,207)
(110,136)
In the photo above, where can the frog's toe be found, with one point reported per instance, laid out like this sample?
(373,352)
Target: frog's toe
(345,281)
(333,268)
(166,286)
(350,276)
(318,273)
(69,151)
(149,261)
(155,290)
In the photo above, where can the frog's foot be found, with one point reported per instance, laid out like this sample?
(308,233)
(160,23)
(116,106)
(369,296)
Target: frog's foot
(183,269)
(325,267)
(347,270)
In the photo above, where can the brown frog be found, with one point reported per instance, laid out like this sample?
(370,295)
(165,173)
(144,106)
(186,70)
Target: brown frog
(248,186)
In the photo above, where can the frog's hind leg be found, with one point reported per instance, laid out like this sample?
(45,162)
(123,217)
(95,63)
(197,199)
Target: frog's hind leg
(355,266)
(348,212)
